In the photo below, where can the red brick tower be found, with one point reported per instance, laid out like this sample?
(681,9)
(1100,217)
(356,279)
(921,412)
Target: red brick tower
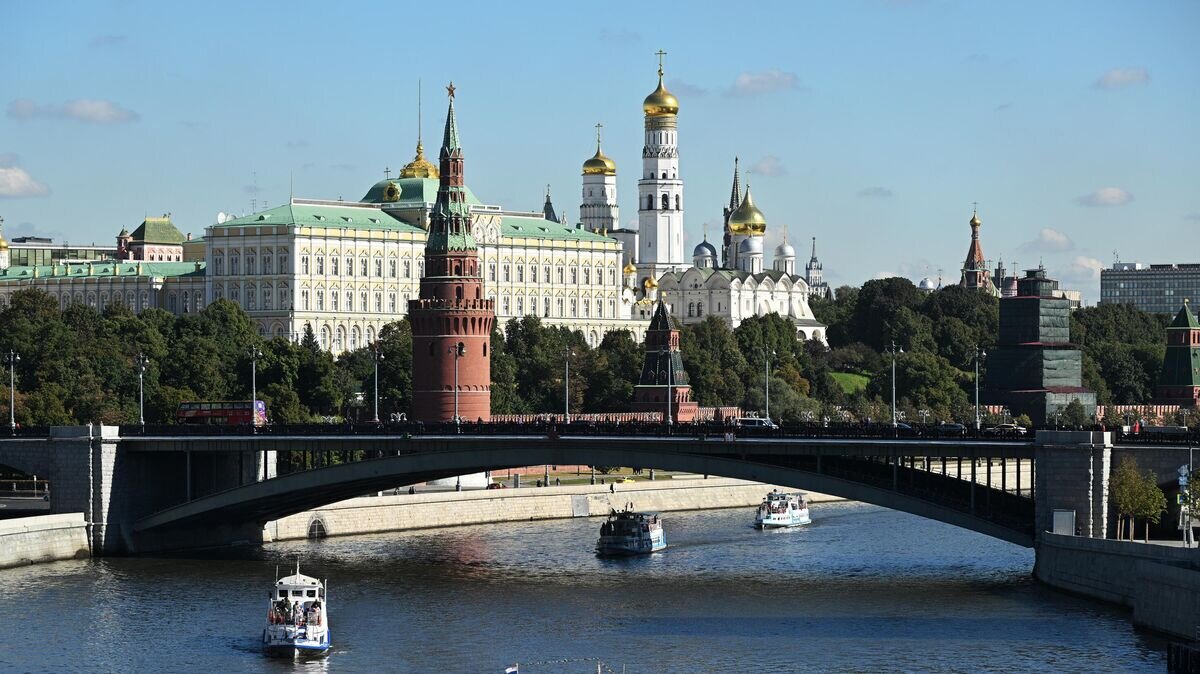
(663,376)
(451,321)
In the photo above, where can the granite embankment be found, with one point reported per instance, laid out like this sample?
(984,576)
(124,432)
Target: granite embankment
(44,538)
(373,514)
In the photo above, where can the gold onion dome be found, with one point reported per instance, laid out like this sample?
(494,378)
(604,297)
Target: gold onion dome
(599,164)
(747,219)
(649,283)
(419,167)
(629,268)
(660,102)
(975,221)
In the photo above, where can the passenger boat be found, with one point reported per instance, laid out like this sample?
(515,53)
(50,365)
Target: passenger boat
(782,510)
(297,622)
(627,532)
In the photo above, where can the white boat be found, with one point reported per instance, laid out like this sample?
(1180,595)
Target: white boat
(782,510)
(297,622)
(627,532)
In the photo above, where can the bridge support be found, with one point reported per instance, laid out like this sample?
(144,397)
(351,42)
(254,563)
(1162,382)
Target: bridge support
(1072,474)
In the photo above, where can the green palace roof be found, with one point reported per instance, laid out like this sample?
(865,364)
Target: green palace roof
(411,192)
(530,227)
(322,214)
(102,268)
(158,230)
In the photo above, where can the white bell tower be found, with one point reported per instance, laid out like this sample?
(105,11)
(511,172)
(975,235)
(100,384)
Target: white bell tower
(599,212)
(660,189)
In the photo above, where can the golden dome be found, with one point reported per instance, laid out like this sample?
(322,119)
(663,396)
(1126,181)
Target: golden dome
(975,221)
(660,102)
(3,244)
(649,283)
(419,167)
(629,269)
(747,219)
(599,164)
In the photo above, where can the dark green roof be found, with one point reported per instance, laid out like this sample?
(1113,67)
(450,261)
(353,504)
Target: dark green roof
(102,268)
(158,230)
(413,191)
(322,214)
(535,227)
(1185,319)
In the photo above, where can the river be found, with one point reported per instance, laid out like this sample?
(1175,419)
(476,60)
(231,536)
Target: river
(861,589)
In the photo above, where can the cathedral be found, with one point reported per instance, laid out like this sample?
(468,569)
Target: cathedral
(733,284)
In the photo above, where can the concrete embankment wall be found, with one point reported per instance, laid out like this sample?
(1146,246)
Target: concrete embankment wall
(374,514)
(1161,584)
(45,538)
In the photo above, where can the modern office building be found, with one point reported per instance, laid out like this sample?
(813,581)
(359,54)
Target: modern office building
(1158,288)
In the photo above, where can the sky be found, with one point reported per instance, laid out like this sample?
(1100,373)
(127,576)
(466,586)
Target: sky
(873,126)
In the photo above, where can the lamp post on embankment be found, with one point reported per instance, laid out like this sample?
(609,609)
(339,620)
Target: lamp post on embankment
(376,355)
(142,363)
(12,359)
(893,351)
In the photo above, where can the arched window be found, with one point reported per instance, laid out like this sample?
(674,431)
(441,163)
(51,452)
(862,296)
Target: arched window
(679,202)
(691,309)
(458,292)
(666,201)
(664,175)
(649,202)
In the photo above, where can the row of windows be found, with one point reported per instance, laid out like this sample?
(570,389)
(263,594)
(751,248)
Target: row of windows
(561,274)
(187,301)
(251,262)
(561,309)
(319,264)
(666,202)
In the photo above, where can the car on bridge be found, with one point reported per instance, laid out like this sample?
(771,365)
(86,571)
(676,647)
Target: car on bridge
(1005,430)
(950,429)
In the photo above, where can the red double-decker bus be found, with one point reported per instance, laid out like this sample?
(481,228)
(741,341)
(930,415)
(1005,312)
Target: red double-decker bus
(223,413)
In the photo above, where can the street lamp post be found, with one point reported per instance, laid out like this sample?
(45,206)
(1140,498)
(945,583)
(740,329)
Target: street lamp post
(12,359)
(567,385)
(893,350)
(377,355)
(457,351)
(979,354)
(767,382)
(254,354)
(142,362)
(924,415)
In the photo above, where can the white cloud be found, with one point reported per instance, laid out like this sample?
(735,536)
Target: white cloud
(1083,267)
(1105,196)
(769,165)
(768,81)
(94,111)
(1049,240)
(876,192)
(1120,78)
(16,182)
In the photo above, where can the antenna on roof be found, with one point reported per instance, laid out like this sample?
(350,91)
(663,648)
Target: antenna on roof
(418,111)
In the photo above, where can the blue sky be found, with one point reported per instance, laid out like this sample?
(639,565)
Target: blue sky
(870,125)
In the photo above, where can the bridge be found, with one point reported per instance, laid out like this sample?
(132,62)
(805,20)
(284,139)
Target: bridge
(155,488)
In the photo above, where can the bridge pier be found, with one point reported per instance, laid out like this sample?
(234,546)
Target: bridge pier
(1073,470)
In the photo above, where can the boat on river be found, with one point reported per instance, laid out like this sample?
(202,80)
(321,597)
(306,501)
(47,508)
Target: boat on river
(297,621)
(778,511)
(627,532)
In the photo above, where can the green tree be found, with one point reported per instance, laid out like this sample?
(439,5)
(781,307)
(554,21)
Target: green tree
(926,380)
(614,369)
(1151,503)
(1075,416)
(716,365)
(1124,489)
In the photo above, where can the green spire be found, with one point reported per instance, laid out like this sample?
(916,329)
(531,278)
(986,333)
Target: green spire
(450,137)
(1185,318)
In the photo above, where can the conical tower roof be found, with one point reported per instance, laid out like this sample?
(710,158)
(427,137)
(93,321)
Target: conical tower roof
(1185,319)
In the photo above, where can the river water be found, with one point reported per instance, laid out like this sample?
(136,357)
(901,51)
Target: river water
(861,589)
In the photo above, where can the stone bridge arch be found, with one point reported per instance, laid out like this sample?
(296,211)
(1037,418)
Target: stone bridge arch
(258,503)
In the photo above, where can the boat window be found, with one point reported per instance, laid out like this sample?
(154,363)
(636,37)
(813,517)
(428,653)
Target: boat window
(297,593)
(282,594)
(312,593)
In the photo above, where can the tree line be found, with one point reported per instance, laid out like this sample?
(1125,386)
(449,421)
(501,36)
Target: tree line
(78,365)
